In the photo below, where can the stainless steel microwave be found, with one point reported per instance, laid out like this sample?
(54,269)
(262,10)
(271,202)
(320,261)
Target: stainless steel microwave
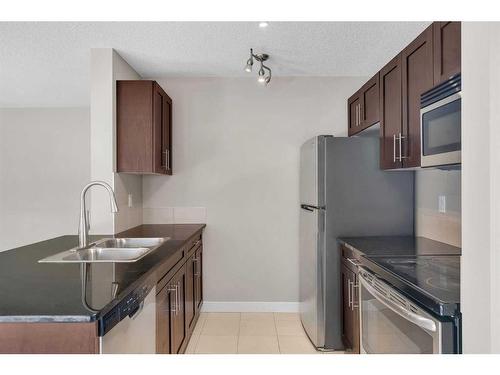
(440,124)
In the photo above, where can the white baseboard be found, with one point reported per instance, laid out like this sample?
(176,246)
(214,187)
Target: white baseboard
(250,307)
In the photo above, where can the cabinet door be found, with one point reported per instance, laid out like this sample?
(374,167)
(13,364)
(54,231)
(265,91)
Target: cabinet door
(390,113)
(354,113)
(190,291)
(162,124)
(178,334)
(347,316)
(417,71)
(164,302)
(370,102)
(134,130)
(198,284)
(447,50)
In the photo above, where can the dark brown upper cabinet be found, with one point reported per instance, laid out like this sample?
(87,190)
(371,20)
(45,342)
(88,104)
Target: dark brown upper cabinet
(433,57)
(417,71)
(363,106)
(143,128)
(447,50)
(390,113)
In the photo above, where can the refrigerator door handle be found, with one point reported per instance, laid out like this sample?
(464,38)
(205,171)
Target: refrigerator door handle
(311,208)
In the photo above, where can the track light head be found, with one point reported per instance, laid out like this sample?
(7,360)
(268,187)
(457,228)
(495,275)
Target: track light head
(248,67)
(260,57)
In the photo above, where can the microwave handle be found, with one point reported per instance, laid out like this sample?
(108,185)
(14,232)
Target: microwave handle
(416,319)
(394,148)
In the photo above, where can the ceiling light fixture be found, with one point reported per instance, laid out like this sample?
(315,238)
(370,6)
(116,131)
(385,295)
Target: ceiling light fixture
(260,57)
(263,24)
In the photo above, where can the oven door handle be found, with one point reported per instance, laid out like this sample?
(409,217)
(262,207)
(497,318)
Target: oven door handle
(421,321)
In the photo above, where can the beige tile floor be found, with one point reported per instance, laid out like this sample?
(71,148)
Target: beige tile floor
(249,333)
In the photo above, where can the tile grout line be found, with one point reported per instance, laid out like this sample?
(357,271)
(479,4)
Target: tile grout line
(201,331)
(238,335)
(277,335)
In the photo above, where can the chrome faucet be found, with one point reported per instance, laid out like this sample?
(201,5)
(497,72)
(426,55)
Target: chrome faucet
(83,229)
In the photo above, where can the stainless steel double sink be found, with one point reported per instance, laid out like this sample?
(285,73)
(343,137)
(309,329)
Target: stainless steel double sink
(109,250)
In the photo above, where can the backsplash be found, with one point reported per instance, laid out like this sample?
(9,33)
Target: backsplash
(431,185)
(174,215)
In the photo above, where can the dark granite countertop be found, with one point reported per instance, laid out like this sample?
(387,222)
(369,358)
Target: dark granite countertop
(32,291)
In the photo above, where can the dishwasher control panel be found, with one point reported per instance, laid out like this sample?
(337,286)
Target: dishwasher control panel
(130,305)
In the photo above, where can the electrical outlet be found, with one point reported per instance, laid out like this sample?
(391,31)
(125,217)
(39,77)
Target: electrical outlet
(442,204)
(130,201)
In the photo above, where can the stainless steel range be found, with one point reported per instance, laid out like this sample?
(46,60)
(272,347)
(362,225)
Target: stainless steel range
(410,305)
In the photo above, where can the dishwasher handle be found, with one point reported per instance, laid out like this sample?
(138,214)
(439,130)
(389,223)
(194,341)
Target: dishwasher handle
(133,314)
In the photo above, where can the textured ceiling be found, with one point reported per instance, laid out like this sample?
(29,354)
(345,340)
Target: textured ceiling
(47,64)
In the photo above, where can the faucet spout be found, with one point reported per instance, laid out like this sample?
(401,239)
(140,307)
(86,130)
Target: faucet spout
(83,229)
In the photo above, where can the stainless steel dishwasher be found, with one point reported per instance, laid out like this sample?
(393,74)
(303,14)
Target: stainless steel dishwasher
(130,327)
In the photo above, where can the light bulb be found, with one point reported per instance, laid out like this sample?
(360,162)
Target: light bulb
(262,78)
(248,67)
(263,24)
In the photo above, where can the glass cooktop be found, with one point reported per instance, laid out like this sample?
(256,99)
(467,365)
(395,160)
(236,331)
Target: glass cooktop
(437,277)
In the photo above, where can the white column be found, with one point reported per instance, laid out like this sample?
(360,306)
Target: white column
(480,273)
(107,66)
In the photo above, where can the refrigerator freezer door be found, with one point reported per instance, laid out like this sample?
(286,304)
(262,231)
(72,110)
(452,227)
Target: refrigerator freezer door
(309,172)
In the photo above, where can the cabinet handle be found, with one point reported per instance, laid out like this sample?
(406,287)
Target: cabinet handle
(196,269)
(353,304)
(178,294)
(167,159)
(349,293)
(173,288)
(401,157)
(394,148)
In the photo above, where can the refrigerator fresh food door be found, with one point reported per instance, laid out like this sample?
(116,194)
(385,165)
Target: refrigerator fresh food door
(309,262)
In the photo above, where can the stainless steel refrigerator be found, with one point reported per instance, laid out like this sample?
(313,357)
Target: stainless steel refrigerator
(343,193)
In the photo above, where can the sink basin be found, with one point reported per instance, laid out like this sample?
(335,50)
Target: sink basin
(128,243)
(109,250)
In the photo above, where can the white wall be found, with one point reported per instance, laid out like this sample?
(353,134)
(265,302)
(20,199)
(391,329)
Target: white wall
(107,67)
(429,222)
(236,153)
(44,163)
(480,267)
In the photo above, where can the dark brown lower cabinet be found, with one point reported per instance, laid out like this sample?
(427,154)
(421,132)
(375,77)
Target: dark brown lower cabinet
(178,304)
(350,309)
(170,315)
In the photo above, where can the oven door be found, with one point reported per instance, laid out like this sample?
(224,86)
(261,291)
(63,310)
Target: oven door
(441,140)
(390,324)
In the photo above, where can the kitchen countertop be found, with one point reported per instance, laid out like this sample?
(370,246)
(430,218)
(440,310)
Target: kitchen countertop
(425,270)
(53,292)
(398,246)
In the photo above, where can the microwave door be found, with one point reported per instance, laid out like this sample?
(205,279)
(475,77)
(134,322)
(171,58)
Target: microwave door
(441,132)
